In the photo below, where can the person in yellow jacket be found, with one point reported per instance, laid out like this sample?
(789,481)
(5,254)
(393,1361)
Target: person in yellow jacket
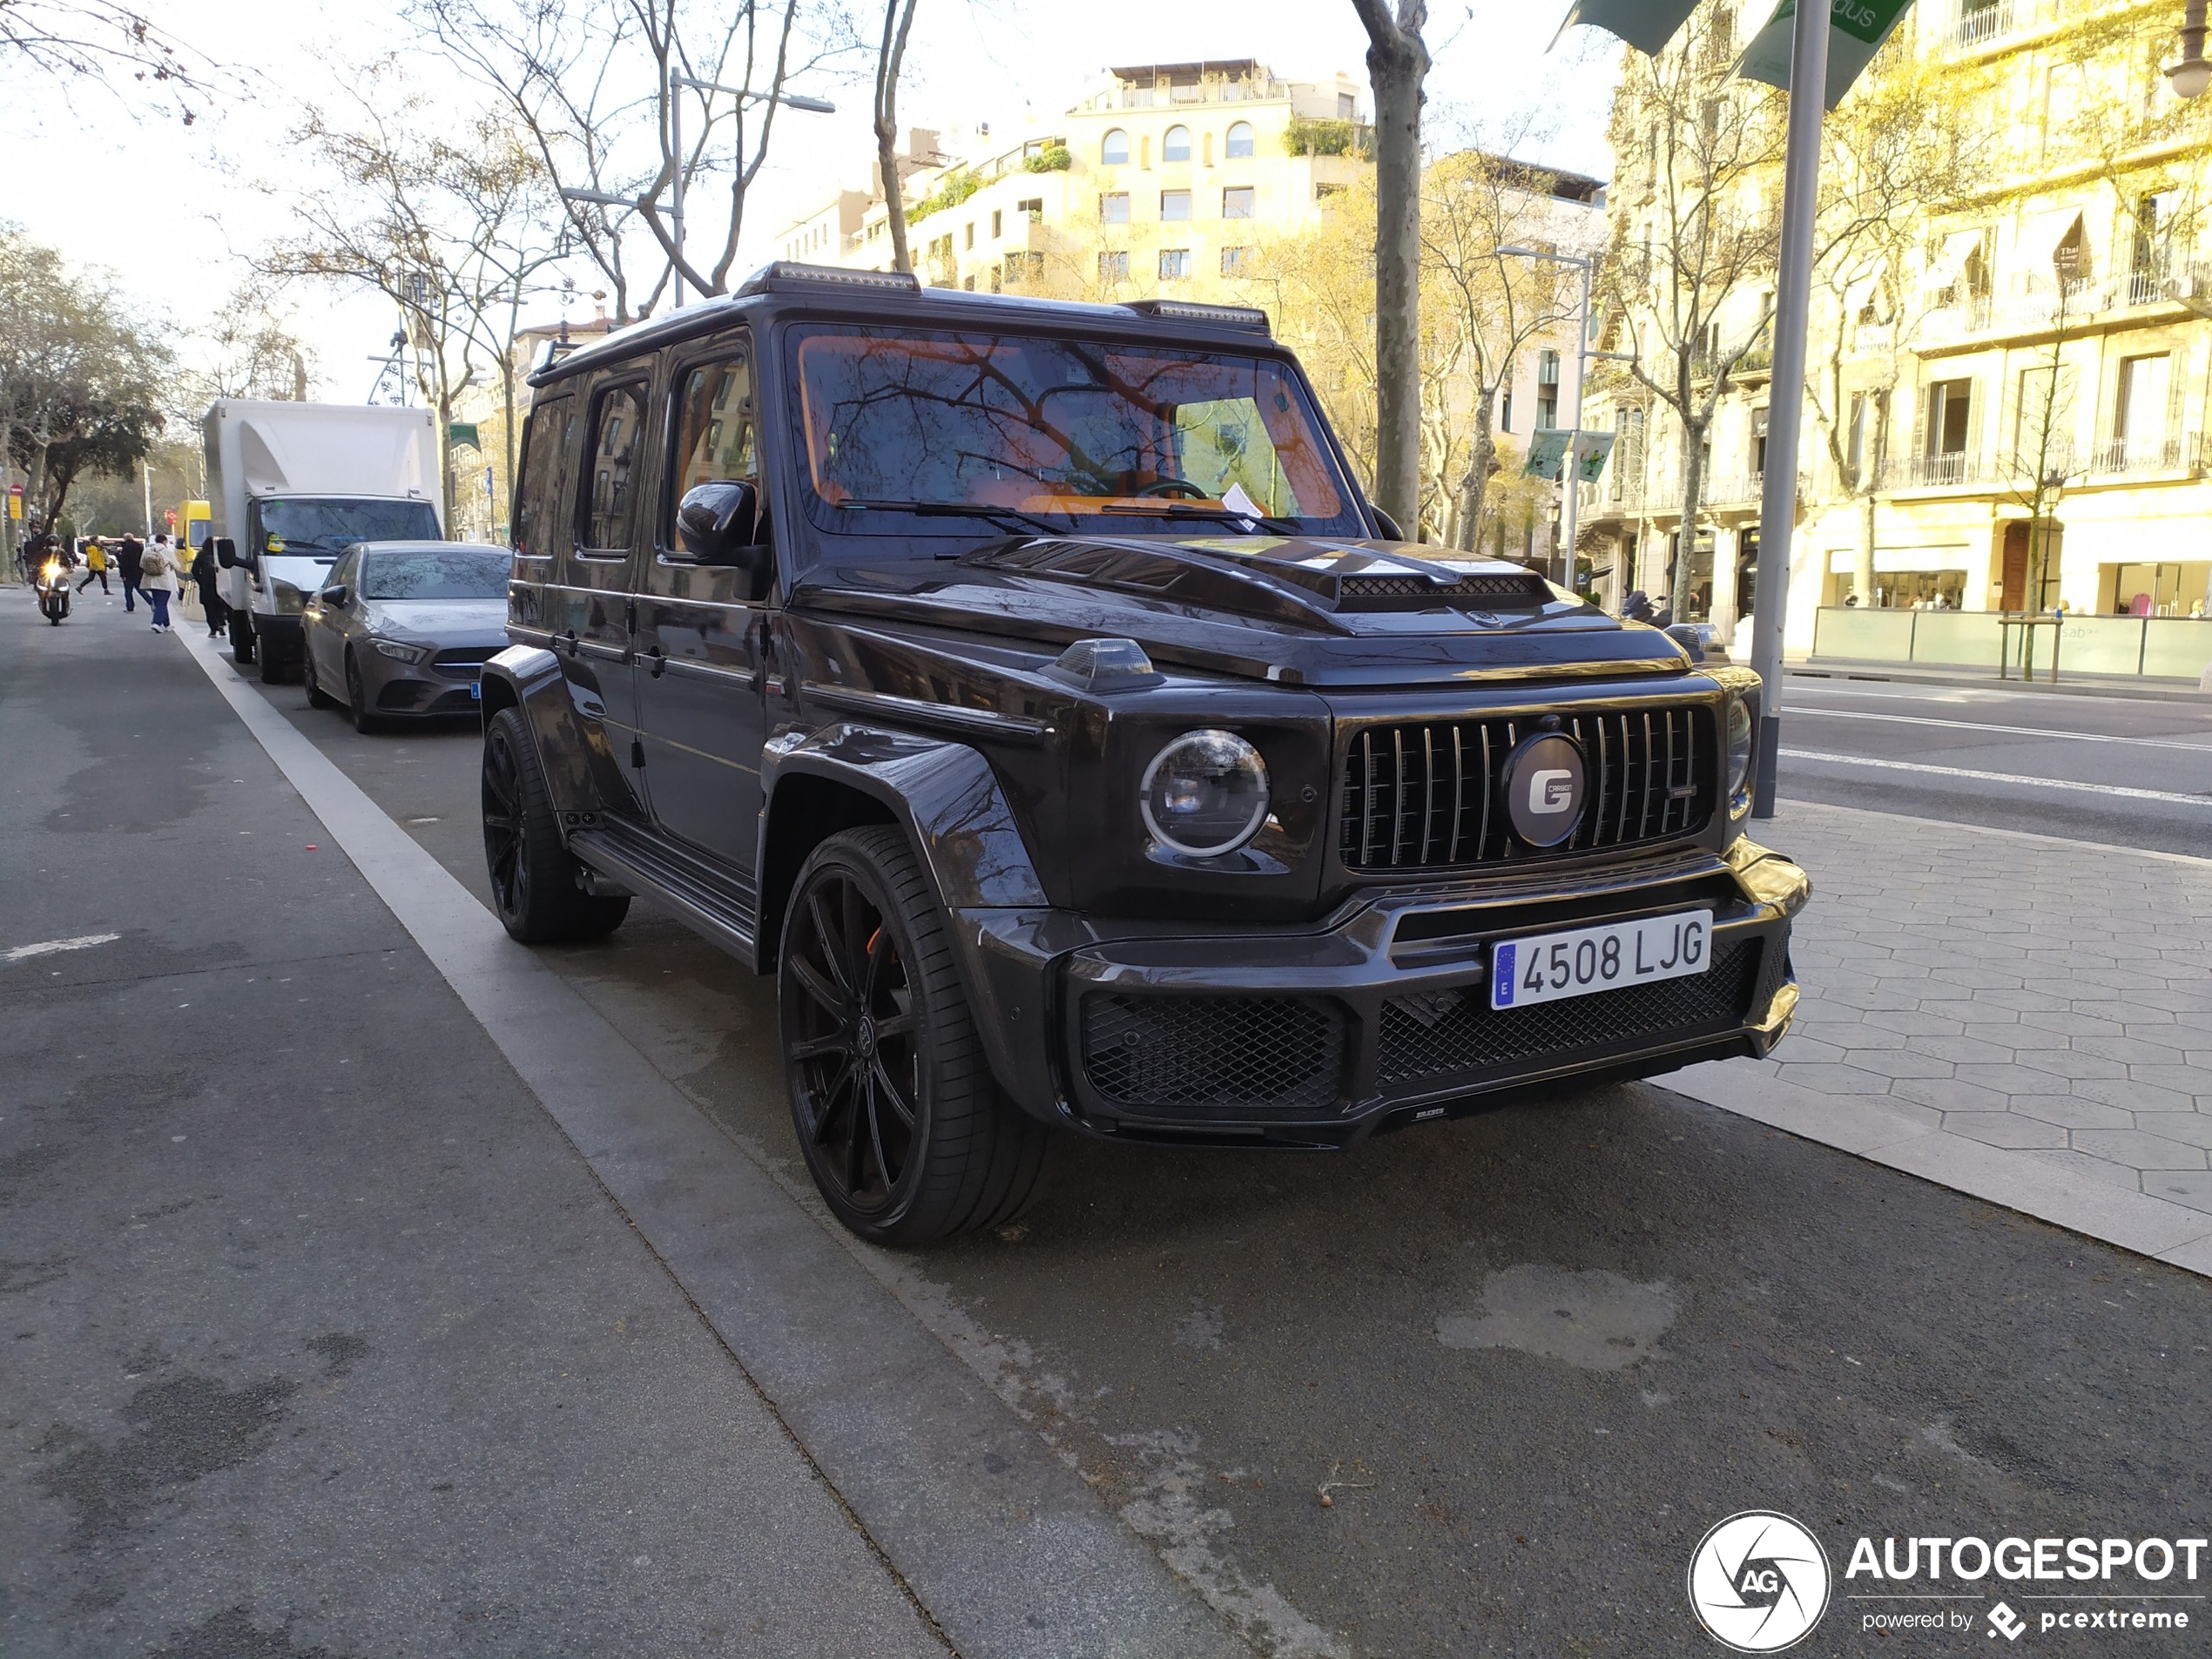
(96,568)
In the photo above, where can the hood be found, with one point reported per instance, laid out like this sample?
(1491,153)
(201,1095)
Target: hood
(442,622)
(1294,610)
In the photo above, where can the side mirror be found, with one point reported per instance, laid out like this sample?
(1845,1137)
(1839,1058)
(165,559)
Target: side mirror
(336,595)
(226,552)
(1385,523)
(716,523)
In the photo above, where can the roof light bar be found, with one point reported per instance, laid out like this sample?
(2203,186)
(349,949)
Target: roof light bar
(1246,317)
(786,273)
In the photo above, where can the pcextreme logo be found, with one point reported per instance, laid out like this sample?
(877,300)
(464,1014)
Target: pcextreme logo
(1759,1581)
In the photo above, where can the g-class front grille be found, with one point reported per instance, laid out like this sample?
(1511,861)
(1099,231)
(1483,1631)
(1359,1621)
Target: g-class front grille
(1427,795)
(1219,1058)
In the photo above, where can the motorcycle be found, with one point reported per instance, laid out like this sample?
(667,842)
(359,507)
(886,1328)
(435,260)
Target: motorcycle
(53,591)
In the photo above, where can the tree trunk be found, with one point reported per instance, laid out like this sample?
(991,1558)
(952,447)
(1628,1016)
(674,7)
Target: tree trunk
(1862,574)
(1482,455)
(1693,502)
(898,19)
(1397,65)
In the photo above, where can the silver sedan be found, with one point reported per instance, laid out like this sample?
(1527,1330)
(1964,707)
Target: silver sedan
(403,629)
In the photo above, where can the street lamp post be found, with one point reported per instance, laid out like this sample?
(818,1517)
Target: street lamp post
(1570,480)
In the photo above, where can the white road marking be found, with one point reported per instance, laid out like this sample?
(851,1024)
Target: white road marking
(1999,777)
(2204,748)
(1939,693)
(24,953)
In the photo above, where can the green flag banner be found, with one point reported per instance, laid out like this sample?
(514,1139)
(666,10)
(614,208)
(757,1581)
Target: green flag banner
(463,431)
(1856,30)
(1648,25)
(1591,450)
(1547,452)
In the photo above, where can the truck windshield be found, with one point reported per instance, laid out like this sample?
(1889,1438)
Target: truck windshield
(328,526)
(908,432)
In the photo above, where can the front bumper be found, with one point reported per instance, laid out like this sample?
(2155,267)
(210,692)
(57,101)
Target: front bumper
(1319,1037)
(436,688)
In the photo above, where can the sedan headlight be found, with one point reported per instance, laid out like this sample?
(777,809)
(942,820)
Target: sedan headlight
(289,599)
(400,652)
(1205,795)
(1741,728)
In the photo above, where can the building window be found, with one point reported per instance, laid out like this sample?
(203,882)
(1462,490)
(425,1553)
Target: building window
(1032,208)
(1175,204)
(968,282)
(1322,193)
(2139,412)
(1024,267)
(1345,108)
(1113,151)
(1505,410)
(1236,202)
(1759,443)
(1174,264)
(970,242)
(1114,267)
(997,228)
(1113,207)
(1177,145)
(1949,414)
(1240,143)
(1547,390)
(1236,261)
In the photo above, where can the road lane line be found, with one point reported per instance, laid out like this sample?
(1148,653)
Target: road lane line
(83,941)
(1999,778)
(2203,748)
(1000,1542)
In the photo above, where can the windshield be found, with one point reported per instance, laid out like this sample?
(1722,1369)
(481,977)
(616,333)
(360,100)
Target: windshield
(1056,433)
(436,573)
(329,526)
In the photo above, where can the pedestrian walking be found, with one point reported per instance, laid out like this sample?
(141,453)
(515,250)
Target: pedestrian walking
(96,568)
(157,580)
(204,573)
(130,560)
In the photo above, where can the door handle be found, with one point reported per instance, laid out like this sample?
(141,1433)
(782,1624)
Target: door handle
(655,662)
(570,638)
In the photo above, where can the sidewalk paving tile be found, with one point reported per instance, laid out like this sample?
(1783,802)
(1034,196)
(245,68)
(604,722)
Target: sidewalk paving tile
(2194,1128)
(2144,1151)
(2004,1129)
(2071,1111)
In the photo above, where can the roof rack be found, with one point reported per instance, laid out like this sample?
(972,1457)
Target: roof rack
(786,276)
(1247,317)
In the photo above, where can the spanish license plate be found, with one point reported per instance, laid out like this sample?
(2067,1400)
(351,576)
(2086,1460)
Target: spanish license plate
(1550,967)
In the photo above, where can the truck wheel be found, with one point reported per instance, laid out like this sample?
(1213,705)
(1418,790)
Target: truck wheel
(534,883)
(241,639)
(272,659)
(902,1127)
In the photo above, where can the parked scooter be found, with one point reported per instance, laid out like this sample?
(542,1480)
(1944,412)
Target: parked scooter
(53,591)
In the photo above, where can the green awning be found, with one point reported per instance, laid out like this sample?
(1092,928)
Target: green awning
(463,431)
(1856,30)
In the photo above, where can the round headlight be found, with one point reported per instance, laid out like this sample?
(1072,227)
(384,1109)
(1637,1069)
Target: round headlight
(1739,747)
(1205,795)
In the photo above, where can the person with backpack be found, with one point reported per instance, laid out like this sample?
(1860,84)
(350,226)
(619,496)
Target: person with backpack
(157,580)
(129,562)
(96,568)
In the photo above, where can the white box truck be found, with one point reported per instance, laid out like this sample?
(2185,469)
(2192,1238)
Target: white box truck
(292,485)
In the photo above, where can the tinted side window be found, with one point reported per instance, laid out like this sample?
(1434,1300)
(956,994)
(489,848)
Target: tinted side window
(714,432)
(614,454)
(542,491)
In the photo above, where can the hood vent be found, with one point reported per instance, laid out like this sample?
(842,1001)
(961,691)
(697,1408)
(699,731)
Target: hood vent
(1378,591)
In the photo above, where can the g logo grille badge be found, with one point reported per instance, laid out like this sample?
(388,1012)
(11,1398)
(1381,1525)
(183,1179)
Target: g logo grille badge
(1544,782)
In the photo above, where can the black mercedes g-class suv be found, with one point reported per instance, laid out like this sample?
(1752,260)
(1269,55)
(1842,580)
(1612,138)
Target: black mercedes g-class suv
(1030,688)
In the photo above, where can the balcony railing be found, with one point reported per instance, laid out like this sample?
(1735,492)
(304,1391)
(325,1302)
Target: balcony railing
(1932,472)
(1979,24)
(2126,457)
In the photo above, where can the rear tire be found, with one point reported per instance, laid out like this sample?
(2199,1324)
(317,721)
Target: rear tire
(241,639)
(903,1128)
(317,697)
(535,884)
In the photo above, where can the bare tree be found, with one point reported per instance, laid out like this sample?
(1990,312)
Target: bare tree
(253,350)
(457,233)
(616,98)
(898,20)
(1698,227)
(102,40)
(1398,63)
(1495,304)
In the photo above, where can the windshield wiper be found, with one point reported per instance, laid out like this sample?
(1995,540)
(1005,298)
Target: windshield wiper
(1188,509)
(999,516)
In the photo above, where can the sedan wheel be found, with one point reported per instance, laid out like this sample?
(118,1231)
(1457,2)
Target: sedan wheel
(903,1129)
(357,697)
(317,697)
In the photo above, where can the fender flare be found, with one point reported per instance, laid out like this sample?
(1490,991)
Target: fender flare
(581,769)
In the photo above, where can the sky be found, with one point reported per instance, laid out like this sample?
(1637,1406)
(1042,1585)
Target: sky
(109,177)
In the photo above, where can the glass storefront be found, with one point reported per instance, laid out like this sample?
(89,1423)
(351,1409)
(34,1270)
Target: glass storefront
(2154,590)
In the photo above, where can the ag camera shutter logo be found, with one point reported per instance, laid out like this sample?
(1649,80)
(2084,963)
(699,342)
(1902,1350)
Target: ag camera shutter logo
(1759,1582)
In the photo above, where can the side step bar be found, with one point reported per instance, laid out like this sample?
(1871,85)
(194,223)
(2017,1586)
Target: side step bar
(703,899)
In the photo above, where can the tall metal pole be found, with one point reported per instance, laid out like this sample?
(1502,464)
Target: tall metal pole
(1793,307)
(675,194)
(1572,471)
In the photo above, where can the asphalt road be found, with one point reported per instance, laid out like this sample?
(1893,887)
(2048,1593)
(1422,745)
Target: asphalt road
(1540,1351)
(2126,770)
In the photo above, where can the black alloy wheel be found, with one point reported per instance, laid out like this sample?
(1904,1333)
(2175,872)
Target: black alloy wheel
(902,1127)
(356,698)
(537,886)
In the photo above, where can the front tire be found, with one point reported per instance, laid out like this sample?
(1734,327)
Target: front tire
(271,661)
(317,697)
(241,639)
(903,1129)
(357,700)
(534,881)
